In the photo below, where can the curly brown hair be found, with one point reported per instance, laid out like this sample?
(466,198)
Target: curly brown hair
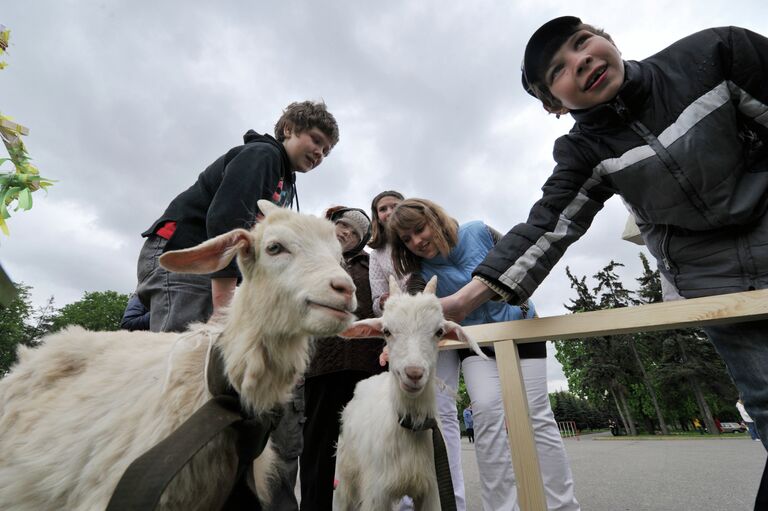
(413,214)
(305,115)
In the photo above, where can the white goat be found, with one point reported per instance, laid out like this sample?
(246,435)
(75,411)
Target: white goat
(75,412)
(378,461)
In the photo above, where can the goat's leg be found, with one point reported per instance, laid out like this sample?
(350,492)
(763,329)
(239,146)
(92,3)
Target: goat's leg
(428,502)
(345,496)
(376,500)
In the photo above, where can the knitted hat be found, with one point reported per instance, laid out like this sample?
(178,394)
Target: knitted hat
(355,219)
(543,45)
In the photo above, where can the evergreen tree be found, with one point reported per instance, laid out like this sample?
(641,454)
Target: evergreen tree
(684,358)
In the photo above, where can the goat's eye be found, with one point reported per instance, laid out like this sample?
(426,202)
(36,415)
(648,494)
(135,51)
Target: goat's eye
(386,332)
(275,248)
(440,333)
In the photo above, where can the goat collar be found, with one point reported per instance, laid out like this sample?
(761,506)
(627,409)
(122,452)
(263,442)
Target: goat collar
(406,421)
(146,478)
(442,468)
(218,384)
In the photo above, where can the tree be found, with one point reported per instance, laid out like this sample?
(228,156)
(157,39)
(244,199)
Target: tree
(598,365)
(43,320)
(685,357)
(98,310)
(13,327)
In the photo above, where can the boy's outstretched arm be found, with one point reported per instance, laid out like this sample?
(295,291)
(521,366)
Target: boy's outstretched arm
(465,300)
(520,261)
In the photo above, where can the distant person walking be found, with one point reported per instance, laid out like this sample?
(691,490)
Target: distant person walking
(469,423)
(747,420)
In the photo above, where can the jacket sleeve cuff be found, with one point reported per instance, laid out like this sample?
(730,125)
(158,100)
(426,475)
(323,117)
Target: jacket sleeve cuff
(501,293)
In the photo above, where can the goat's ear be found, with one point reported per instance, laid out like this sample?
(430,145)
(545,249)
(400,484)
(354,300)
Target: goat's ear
(208,257)
(431,286)
(455,332)
(364,328)
(266,207)
(394,287)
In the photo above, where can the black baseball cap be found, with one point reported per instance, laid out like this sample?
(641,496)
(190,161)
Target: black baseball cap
(543,44)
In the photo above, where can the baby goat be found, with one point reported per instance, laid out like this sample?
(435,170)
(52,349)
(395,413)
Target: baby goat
(379,461)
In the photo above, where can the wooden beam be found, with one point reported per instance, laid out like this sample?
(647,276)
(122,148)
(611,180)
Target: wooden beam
(710,310)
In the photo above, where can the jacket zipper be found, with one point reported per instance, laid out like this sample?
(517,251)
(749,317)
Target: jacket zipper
(663,249)
(666,158)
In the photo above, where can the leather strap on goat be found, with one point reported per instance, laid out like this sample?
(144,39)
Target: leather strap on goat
(144,481)
(442,468)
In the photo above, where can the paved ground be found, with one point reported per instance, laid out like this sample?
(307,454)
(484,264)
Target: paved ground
(658,475)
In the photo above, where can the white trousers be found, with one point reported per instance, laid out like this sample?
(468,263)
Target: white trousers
(497,477)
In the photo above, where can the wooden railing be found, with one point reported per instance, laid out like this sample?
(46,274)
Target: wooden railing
(747,306)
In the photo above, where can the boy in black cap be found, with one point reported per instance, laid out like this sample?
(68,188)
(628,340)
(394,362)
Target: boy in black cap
(682,136)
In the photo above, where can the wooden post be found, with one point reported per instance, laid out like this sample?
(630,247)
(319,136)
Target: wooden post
(525,459)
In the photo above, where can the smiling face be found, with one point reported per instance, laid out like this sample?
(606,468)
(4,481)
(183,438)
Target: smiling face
(306,149)
(346,235)
(420,240)
(586,71)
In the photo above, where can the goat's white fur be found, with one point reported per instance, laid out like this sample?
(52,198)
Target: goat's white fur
(378,461)
(75,412)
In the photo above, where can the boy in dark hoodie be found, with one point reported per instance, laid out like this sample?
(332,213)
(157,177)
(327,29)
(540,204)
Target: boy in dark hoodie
(224,198)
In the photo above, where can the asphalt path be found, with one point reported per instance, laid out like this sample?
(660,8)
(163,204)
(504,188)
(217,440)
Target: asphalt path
(636,475)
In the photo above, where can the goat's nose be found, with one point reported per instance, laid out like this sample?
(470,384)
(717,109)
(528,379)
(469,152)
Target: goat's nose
(343,286)
(414,373)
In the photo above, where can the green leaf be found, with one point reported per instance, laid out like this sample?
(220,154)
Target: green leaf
(25,199)
(11,194)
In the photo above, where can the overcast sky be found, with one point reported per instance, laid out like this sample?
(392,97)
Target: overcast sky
(128,101)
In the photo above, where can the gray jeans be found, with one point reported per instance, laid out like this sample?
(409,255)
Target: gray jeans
(174,299)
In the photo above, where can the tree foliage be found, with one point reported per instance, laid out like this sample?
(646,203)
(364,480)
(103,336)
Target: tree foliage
(98,310)
(586,413)
(13,327)
(23,324)
(651,378)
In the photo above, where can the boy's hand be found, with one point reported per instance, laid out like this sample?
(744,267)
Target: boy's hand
(465,300)
(453,308)
(222,291)
(384,357)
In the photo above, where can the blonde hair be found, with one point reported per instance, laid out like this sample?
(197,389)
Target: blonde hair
(413,214)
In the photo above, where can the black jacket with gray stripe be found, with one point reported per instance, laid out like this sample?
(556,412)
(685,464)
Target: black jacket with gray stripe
(685,144)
